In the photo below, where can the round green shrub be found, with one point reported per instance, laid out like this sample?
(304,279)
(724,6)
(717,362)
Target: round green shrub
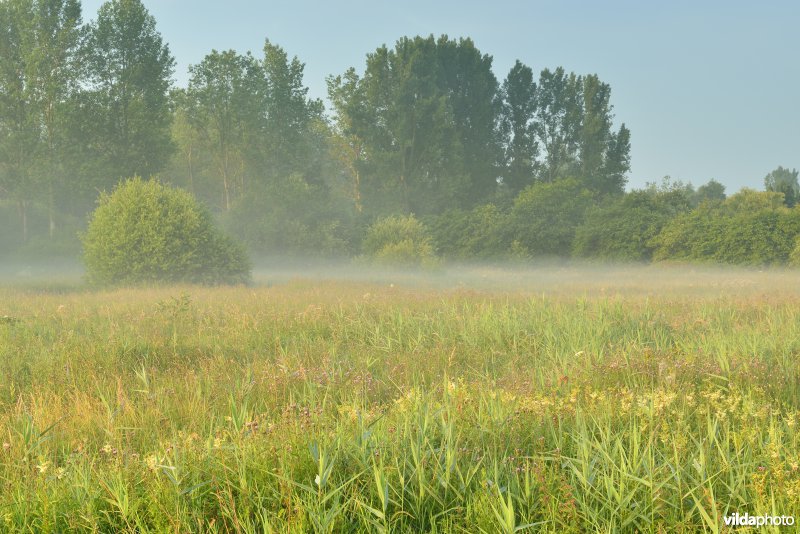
(399,241)
(146,232)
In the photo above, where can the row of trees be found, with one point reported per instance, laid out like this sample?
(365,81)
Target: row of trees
(531,165)
(426,127)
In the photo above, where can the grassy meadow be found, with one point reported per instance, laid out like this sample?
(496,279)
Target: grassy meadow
(552,400)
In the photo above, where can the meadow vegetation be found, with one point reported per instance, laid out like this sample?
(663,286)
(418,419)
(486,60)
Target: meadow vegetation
(650,400)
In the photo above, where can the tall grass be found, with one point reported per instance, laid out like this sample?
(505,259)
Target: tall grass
(331,407)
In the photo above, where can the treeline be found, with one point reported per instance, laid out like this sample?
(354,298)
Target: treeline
(670,221)
(524,167)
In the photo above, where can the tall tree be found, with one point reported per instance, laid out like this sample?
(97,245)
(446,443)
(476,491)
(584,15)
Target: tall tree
(221,105)
(127,105)
(55,68)
(18,133)
(558,122)
(291,120)
(347,148)
(613,174)
(426,115)
(574,127)
(595,127)
(518,128)
(39,41)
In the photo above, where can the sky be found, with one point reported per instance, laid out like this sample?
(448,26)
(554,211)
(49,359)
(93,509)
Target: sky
(708,89)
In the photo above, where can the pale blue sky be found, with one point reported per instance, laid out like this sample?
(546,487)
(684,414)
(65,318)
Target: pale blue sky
(709,89)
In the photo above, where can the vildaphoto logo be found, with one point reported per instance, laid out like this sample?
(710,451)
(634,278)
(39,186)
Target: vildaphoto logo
(746,520)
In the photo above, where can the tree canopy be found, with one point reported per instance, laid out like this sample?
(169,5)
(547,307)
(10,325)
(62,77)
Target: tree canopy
(527,165)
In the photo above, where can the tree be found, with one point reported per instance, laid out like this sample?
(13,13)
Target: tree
(292,128)
(222,104)
(711,191)
(347,148)
(53,61)
(558,122)
(39,40)
(126,104)
(424,116)
(784,181)
(573,125)
(617,162)
(518,128)
(18,133)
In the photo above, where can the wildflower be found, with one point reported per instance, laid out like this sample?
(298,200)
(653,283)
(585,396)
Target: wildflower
(60,473)
(42,467)
(152,462)
(6,446)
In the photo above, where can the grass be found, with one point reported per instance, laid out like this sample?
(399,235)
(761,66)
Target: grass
(558,403)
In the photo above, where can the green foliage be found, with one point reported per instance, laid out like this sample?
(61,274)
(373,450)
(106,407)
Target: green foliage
(518,127)
(474,234)
(399,240)
(713,190)
(295,218)
(39,74)
(573,124)
(749,228)
(146,232)
(426,112)
(794,257)
(622,229)
(784,181)
(545,217)
(221,108)
(124,110)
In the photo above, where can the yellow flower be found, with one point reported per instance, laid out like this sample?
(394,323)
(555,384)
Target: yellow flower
(152,462)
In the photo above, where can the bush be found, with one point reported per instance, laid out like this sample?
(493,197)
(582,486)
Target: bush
(147,232)
(622,229)
(749,228)
(474,234)
(399,241)
(545,217)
